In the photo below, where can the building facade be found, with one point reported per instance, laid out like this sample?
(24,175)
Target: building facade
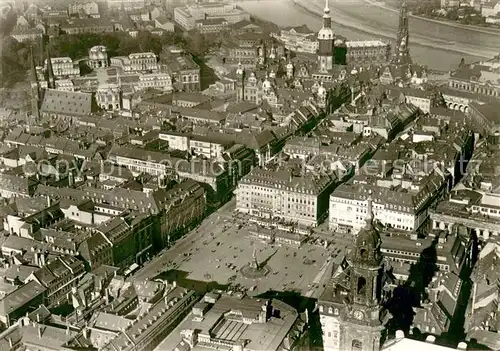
(299,39)
(369,52)
(283,197)
(64,67)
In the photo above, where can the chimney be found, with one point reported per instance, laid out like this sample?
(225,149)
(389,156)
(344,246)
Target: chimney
(39,331)
(49,203)
(86,332)
(36,259)
(10,342)
(174,284)
(400,334)
(38,317)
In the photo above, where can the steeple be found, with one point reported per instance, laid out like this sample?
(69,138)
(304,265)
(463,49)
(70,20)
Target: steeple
(327,19)
(50,72)
(326,42)
(369,212)
(402,50)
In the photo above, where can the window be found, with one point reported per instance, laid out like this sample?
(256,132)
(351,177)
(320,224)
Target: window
(361,286)
(356,345)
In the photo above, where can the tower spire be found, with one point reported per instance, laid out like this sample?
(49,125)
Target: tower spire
(369,212)
(327,19)
(402,50)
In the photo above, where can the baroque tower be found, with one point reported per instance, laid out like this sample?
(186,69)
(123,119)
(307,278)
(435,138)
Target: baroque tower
(326,43)
(361,328)
(35,89)
(402,50)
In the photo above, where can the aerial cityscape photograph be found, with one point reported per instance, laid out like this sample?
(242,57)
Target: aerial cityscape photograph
(249,175)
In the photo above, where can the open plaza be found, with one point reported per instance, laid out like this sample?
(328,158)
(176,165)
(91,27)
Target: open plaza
(221,246)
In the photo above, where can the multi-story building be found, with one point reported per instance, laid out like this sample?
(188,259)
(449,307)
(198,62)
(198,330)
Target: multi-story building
(255,323)
(64,67)
(284,197)
(87,25)
(485,296)
(183,206)
(21,33)
(58,277)
(484,118)
(402,249)
(160,81)
(404,209)
(480,78)
(474,210)
(131,238)
(152,326)
(212,25)
(299,39)
(208,147)
(90,9)
(143,61)
(18,303)
(127,5)
(187,16)
(182,69)
(422,99)
(369,52)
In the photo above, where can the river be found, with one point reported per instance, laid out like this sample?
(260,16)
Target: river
(436,45)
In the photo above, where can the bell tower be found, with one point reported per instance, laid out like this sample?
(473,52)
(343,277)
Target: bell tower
(362,327)
(326,42)
(402,50)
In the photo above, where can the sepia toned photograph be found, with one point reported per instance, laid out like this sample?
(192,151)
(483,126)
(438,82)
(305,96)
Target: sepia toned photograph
(249,175)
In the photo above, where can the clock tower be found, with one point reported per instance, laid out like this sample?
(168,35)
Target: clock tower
(361,325)
(326,43)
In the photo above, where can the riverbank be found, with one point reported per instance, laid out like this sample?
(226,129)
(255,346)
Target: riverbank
(315,8)
(485,30)
(357,11)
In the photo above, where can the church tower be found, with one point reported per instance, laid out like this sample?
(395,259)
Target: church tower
(402,50)
(361,328)
(326,43)
(35,89)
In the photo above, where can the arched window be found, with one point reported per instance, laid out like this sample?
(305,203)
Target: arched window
(361,285)
(356,345)
(363,253)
